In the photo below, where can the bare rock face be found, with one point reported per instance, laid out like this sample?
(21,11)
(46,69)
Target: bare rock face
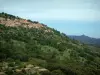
(19,22)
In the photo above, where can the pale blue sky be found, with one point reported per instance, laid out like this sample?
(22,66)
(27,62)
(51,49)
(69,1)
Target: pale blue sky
(73,17)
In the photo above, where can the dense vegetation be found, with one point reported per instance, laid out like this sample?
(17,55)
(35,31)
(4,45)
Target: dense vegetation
(52,50)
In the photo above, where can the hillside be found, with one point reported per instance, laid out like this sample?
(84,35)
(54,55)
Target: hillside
(86,40)
(41,50)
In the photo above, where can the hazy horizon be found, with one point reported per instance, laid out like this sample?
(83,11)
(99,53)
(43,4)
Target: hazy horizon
(73,17)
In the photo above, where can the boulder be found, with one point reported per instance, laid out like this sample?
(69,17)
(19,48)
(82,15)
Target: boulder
(29,66)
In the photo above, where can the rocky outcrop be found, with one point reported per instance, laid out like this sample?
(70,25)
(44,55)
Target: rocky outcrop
(26,70)
(18,22)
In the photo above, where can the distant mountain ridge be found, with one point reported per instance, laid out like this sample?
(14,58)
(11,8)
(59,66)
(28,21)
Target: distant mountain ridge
(86,39)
